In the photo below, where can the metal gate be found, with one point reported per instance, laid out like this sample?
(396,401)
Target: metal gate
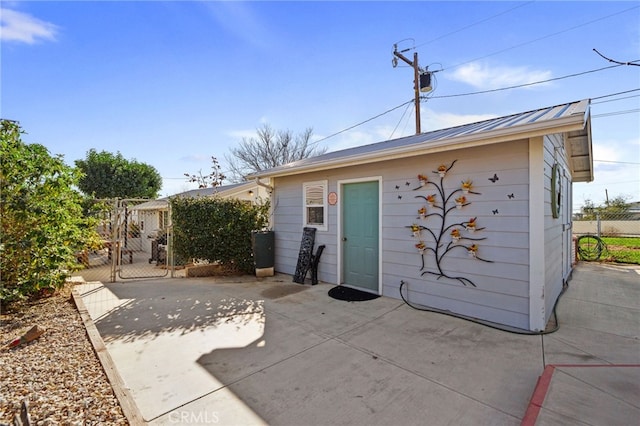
(135,241)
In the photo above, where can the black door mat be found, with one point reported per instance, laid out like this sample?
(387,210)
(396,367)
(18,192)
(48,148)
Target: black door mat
(351,294)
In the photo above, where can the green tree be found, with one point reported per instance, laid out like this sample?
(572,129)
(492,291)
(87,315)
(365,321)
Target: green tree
(270,149)
(589,210)
(43,226)
(616,208)
(107,175)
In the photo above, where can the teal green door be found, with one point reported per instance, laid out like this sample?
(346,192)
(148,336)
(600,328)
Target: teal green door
(360,229)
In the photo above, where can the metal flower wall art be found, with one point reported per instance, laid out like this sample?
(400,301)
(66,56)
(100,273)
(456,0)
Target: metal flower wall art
(435,219)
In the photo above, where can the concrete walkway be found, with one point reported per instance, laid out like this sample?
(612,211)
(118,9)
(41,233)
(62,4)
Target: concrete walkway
(247,351)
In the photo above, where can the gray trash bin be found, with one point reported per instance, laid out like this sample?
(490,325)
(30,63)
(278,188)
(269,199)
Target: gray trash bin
(263,252)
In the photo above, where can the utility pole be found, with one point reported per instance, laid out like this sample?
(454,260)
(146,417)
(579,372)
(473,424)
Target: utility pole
(419,84)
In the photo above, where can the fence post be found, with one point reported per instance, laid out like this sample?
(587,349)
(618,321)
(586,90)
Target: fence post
(115,227)
(598,224)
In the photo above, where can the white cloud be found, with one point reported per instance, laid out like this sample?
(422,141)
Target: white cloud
(483,76)
(23,28)
(616,172)
(615,155)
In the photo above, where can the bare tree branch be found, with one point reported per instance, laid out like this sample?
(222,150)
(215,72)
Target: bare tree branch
(214,179)
(269,149)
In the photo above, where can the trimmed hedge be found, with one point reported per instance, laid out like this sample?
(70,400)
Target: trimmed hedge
(217,229)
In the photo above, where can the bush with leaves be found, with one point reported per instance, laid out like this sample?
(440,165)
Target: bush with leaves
(217,229)
(43,226)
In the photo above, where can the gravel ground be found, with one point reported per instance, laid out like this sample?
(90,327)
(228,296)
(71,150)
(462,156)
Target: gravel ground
(59,373)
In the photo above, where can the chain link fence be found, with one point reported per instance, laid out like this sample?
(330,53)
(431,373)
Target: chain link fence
(134,241)
(607,236)
(608,224)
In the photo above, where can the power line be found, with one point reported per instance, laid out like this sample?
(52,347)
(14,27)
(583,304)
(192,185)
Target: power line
(617,162)
(488,91)
(633,63)
(362,122)
(523,85)
(474,24)
(607,114)
(592,184)
(614,100)
(474,93)
(544,37)
(400,121)
(616,94)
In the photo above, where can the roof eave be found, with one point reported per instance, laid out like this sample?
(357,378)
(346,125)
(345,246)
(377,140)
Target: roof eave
(575,121)
(581,156)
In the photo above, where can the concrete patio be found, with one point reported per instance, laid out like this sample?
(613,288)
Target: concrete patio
(242,351)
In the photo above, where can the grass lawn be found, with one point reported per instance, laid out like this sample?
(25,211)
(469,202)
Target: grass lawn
(622,249)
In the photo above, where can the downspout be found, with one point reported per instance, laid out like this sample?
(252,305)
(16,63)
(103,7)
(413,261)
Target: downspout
(271,207)
(264,185)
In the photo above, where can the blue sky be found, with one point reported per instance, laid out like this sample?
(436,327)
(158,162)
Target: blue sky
(171,84)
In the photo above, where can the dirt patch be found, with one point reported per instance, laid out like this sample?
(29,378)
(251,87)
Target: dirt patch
(622,248)
(211,270)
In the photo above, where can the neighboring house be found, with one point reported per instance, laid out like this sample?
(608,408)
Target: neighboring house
(153,216)
(634,210)
(364,202)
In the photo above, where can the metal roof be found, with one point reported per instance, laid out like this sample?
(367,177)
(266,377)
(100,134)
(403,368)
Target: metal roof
(571,118)
(159,204)
(163,203)
(209,191)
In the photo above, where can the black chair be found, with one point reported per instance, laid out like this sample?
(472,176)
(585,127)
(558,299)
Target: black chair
(315,259)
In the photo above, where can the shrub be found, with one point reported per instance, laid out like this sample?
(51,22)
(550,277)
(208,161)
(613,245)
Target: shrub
(43,226)
(216,229)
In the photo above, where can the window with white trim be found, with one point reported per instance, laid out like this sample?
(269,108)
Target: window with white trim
(314,198)
(163,219)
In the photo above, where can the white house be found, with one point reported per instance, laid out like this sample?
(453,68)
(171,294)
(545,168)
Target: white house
(153,216)
(501,255)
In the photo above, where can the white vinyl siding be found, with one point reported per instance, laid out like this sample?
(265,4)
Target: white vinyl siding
(509,160)
(557,252)
(501,294)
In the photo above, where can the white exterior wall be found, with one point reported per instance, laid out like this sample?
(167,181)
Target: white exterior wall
(502,288)
(253,193)
(286,202)
(151,220)
(557,250)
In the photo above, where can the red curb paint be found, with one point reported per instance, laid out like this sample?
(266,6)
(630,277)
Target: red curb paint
(594,365)
(542,387)
(539,394)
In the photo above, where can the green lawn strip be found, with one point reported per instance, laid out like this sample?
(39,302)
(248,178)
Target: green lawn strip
(632,242)
(622,250)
